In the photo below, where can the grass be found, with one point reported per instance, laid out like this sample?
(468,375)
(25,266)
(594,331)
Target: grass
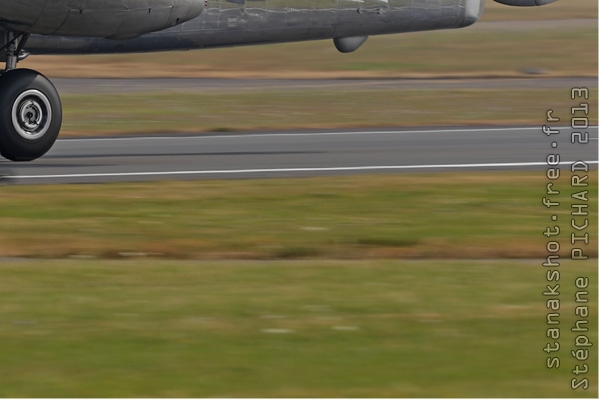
(285,329)
(480,215)
(298,109)
(508,41)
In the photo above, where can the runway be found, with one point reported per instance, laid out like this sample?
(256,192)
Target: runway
(248,155)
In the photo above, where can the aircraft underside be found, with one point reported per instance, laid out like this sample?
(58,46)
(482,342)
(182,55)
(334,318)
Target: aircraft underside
(30,108)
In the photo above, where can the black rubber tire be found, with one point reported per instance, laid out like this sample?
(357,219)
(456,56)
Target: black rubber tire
(27,146)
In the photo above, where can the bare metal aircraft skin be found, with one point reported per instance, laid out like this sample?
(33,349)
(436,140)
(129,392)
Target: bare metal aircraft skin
(30,108)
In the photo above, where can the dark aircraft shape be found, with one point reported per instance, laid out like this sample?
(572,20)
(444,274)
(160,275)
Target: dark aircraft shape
(30,107)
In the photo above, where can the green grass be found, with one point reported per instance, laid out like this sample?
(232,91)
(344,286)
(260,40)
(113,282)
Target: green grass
(296,109)
(456,215)
(323,305)
(285,329)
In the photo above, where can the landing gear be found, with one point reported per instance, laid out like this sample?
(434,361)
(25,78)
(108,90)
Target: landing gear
(30,115)
(30,110)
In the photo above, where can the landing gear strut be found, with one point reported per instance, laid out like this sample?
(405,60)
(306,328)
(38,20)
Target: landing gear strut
(30,107)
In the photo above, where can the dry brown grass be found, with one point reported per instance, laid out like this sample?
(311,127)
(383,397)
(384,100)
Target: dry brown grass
(162,112)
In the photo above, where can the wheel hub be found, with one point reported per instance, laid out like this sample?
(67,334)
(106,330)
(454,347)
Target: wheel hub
(31,114)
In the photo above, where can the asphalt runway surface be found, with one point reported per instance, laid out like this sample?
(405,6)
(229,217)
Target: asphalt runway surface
(286,154)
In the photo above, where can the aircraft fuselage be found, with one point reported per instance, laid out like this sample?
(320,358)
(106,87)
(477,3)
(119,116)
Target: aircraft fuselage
(190,24)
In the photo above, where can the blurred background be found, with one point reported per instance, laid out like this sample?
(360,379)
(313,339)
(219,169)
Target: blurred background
(385,285)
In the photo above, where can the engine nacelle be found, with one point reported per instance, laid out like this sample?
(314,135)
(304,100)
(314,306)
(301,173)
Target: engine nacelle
(525,3)
(115,19)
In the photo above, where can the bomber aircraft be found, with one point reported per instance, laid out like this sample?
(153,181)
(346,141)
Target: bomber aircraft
(30,107)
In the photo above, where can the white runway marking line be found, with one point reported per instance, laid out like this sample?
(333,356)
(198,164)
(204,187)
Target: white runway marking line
(211,135)
(279,170)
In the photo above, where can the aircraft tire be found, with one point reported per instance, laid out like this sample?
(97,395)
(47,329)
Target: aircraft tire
(30,115)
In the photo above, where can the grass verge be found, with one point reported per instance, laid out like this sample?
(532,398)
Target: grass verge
(436,215)
(285,329)
(88,115)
